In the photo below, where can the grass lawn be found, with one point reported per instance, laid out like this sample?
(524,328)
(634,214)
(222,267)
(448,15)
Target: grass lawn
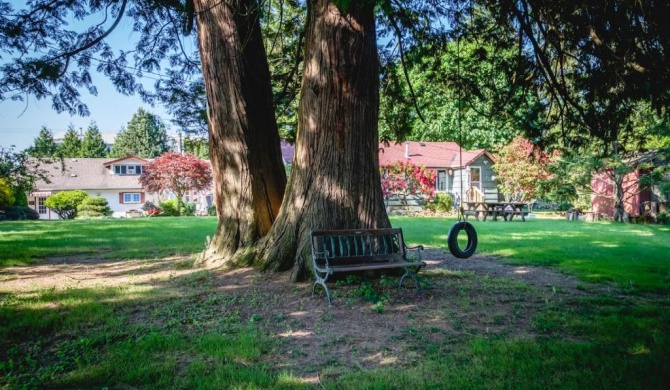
(154,322)
(25,242)
(634,256)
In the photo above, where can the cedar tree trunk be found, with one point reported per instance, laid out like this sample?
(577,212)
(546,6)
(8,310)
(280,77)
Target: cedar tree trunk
(249,176)
(335,181)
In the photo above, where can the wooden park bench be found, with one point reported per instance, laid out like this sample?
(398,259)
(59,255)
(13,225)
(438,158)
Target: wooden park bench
(349,251)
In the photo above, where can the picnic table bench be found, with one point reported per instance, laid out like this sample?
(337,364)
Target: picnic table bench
(507,210)
(336,251)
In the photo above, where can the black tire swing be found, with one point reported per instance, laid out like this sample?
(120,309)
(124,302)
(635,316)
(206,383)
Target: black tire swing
(462,224)
(452,240)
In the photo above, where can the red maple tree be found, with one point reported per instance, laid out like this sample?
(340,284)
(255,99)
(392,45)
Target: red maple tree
(176,173)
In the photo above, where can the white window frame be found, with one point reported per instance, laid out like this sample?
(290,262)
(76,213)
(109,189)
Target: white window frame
(129,197)
(446,180)
(41,207)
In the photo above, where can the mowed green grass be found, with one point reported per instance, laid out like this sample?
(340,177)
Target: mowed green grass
(184,333)
(25,242)
(634,256)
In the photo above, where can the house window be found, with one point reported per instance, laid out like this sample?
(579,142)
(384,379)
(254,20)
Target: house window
(128,169)
(132,197)
(41,208)
(441,184)
(476,177)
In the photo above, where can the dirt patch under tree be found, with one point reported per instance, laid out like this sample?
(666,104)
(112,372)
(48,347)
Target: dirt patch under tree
(479,296)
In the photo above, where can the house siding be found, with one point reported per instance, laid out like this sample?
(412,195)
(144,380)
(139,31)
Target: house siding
(489,185)
(113,197)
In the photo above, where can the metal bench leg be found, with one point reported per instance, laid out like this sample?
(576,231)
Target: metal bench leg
(413,275)
(322,281)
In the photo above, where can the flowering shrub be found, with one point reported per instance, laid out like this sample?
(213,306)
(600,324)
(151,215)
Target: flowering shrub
(404,178)
(521,167)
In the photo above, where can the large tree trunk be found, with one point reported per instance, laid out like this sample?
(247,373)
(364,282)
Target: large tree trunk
(249,176)
(335,181)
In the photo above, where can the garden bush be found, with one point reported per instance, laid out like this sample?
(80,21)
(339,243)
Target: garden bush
(94,207)
(15,213)
(169,208)
(443,203)
(65,203)
(31,213)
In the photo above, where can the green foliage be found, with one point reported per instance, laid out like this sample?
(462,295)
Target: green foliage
(145,136)
(15,213)
(44,145)
(93,146)
(6,194)
(71,145)
(20,213)
(211,211)
(93,207)
(283,24)
(169,208)
(31,213)
(197,146)
(521,168)
(20,172)
(475,75)
(65,203)
(443,203)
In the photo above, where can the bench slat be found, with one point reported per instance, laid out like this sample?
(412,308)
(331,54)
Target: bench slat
(368,266)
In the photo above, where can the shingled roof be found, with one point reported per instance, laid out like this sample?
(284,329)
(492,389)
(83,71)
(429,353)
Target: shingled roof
(430,154)
(87,174)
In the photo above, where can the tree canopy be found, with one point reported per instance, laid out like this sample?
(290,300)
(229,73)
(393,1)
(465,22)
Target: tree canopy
(44,144)
(93,146)
(145,136)
(71,145)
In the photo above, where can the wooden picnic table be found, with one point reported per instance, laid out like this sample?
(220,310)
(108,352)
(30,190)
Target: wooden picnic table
(507,210)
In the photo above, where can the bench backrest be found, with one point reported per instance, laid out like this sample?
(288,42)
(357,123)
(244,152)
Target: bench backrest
(358,246)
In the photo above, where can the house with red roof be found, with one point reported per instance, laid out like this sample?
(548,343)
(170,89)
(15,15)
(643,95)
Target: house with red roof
(458,171)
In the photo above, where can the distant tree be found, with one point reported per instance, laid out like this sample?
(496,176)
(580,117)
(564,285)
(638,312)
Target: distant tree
(44,145)
(93,146)
(176,173)
(520,167)
(71,145)
(197,146)
(6,194)
(145,136)
(65,203)
(20,172)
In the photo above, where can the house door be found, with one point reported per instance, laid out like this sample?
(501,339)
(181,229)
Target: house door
(41,208)
(476,177)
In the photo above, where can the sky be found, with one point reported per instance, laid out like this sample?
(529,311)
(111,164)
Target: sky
(20,122)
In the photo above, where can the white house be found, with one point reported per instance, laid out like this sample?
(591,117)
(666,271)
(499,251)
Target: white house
(115,180)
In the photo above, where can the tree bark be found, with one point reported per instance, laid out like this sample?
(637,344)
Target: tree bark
(335,181)
(249,176)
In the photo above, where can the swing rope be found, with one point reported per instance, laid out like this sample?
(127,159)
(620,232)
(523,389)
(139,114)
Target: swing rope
(461,211)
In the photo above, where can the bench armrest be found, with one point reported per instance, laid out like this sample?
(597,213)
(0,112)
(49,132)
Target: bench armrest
(418,248)
(321,256)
